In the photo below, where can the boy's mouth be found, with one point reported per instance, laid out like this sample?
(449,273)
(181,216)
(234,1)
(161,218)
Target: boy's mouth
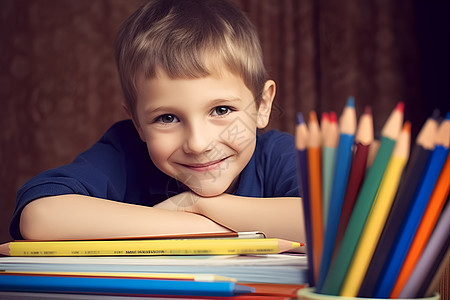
(208,166)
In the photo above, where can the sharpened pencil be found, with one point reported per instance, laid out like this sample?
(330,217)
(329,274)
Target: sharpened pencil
(301,143)
(342,166)
(120,286)
(415,213)
(315,188)
(143,275)
(335,277)
(378,214)
(373,149)
(324,125)
(431,284)
(430,217)
(363,140)
(147,247)
(433,255)
(420,154)
(330,138)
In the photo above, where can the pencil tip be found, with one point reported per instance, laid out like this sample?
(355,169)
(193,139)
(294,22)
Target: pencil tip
(368,110)
(400,106)
(407,126)
(435,114)
(447,116)
(325,116)
(333,117)
(312,116)
(351,101)
(300,119)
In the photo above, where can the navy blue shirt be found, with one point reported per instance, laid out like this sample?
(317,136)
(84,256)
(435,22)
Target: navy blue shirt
(119,168)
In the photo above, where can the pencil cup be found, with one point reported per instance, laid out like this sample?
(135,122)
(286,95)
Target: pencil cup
(310,294)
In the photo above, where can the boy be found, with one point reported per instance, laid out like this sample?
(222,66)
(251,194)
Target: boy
(190,159)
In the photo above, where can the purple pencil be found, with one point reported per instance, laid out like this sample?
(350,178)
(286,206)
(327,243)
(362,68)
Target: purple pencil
(301,142)
(431,258)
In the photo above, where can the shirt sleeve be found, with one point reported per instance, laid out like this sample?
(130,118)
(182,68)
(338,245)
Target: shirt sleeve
(102,171)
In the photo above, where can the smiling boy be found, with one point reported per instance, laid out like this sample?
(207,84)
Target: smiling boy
(190,160)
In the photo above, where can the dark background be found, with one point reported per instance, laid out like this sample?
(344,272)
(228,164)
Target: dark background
(59,89)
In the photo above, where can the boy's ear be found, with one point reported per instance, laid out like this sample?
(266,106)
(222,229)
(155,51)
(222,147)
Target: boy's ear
(265,106)
(135,123)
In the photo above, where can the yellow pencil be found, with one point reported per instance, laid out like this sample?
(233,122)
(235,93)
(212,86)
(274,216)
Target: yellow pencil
(378,214)
(147,247)
(177,276)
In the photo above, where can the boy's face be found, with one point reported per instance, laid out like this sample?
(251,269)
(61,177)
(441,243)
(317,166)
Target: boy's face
(201,132)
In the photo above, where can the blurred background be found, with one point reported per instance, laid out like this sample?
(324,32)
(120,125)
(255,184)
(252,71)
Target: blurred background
(59,89)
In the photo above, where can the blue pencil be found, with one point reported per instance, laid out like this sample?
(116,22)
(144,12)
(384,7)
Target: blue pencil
(415,212)
(340,176)
(27,283)
(301,138)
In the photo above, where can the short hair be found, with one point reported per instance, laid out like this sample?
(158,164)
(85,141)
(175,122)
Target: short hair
(184,38)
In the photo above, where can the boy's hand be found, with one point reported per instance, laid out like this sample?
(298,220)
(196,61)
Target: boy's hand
(186,201)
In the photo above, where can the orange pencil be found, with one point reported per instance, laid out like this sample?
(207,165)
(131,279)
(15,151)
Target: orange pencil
(315,184)
(429,219)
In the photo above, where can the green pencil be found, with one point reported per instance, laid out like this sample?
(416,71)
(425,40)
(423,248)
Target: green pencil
(338,271)
(330,142)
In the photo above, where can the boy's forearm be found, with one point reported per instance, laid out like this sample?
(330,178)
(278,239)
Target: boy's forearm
(76,216)
(276,217)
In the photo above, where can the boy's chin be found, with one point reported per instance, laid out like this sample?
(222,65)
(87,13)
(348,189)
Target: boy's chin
(208,190)
(207,187)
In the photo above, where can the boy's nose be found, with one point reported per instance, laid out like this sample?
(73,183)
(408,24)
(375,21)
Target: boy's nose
(197,139)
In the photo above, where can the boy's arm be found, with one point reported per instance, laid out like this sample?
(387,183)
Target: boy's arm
(276,217)
(83,217)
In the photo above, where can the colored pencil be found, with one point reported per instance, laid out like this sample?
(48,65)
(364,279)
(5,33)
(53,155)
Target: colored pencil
(142,275)
(415,213)
(431,258)
(134,286)
(347,130)
(264,290)
(373,150)
(324,130)
(430,217)
(436,276)
(315,188)
(330,137)
(421,152)
(378,214)
(336,275)
(147,247)
(324,125)
(301,142)
(363,140)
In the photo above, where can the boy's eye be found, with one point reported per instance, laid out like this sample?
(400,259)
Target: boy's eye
(221,111)
(167,118)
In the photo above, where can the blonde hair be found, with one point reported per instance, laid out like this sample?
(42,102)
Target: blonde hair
(188,39)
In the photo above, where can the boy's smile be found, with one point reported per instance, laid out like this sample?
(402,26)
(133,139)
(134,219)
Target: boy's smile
(202,131)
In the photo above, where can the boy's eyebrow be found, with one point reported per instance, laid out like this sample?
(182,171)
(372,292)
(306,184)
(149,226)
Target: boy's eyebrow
(222,100)
(215,102)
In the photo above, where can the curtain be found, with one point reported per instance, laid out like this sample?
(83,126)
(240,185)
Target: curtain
(59,89)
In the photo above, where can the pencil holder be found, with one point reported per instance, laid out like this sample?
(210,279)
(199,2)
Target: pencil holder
(310,294)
